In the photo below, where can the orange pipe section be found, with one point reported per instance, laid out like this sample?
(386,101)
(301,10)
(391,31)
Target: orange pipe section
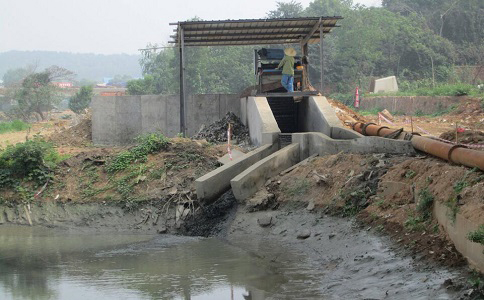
(457,154)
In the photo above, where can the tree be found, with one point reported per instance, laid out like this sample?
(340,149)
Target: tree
(16,76)
(81,99)
(37,93)
(290,9)
(143,86)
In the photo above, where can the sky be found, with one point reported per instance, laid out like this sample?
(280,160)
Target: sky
(113,26)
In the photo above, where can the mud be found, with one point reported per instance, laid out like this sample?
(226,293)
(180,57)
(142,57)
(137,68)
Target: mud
(356,263)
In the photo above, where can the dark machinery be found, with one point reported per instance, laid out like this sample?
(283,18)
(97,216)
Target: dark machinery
(268,77)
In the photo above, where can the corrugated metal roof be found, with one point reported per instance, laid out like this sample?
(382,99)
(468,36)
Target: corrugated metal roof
(252,32)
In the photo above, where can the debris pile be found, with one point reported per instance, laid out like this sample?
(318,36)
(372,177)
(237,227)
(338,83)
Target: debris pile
(345,114)
(79,135)
(466,137)
(217,131)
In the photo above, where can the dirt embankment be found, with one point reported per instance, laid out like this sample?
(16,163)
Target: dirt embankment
(386,192)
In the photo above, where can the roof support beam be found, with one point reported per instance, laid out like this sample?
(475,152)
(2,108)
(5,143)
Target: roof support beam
(223,34)
(181,48)
(321,55)
(316,27)
(282,39)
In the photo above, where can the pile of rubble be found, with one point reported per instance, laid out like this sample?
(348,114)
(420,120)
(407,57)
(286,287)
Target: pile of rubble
(217,131)
(466,137)
(79,135)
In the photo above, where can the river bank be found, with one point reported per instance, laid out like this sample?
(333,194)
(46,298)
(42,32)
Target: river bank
(335,257)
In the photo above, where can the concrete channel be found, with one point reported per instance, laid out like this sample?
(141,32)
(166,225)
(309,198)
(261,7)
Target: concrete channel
(313,127)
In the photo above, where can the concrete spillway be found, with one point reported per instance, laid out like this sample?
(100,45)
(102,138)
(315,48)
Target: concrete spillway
(313,129)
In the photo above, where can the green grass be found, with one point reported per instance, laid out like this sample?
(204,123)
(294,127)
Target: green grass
(147,144)
(424,206)
(477,236)
(13,126)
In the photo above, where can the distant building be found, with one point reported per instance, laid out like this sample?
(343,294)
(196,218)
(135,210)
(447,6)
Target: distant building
(63,84)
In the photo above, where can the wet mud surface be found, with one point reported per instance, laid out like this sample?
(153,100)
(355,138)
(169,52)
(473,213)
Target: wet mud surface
(347,262)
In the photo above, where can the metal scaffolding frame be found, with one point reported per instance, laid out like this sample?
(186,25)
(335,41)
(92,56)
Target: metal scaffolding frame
(302,31)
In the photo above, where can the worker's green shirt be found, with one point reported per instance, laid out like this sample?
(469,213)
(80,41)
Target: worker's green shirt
(287,64)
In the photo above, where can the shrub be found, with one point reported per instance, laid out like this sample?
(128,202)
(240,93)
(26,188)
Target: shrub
(424,206)
(477,236)
(15,125)
(146,144)
(33,160)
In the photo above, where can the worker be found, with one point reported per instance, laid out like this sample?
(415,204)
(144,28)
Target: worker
(287,65)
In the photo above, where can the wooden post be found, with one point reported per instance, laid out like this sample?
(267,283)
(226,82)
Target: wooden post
(304,53)
(321,33)
(456,140)
(182,82)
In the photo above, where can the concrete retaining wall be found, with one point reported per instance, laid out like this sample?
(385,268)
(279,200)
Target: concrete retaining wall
(317,115)
(318,143)
(409,104)
(215,183)
(253,178)
(457,232)
(257,115)
(118,120)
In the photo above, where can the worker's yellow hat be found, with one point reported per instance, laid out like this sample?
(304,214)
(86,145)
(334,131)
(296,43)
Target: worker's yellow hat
(290,52)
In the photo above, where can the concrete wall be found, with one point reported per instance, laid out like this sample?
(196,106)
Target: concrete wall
(215,183)
(410,104)
(318,143)
(317,115)
(457,232)
(258,116)
(118,120)
(247,183)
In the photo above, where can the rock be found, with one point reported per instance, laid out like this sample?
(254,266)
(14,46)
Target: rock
(332,235)
(162,230)
(381,163)
(304,234)
(264,221)
(310,206)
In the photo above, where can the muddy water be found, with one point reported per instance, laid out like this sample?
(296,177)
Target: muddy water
(40,263)
(337,261)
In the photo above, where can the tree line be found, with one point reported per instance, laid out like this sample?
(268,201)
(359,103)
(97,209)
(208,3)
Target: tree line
(418,41)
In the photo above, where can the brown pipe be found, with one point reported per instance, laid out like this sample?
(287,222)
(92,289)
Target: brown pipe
(457,154)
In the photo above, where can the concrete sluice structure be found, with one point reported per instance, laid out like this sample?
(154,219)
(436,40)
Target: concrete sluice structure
(288,132)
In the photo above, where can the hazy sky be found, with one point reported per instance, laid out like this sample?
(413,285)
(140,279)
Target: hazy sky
(112,26)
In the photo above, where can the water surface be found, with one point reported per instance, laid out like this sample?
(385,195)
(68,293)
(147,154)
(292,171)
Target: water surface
(40,263)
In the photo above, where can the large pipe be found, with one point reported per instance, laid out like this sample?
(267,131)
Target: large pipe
(457,154)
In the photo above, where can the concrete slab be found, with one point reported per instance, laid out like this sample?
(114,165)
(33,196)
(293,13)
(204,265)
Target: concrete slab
(387,84)
(247,183)
(215,183)
(236,154)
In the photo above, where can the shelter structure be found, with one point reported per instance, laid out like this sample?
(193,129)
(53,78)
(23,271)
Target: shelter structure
(301,31)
